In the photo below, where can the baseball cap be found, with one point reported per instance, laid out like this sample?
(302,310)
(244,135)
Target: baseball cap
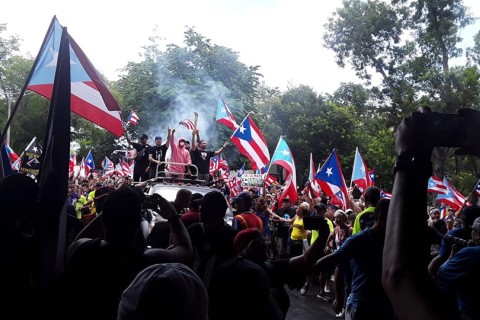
(144,136)
(158,138)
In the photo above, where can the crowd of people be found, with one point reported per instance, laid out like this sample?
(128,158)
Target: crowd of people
(390,259)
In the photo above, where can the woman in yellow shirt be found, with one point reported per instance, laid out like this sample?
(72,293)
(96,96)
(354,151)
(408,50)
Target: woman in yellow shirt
(299,234)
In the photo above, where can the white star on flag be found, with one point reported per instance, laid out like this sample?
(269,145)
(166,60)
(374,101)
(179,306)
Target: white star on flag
(285,152)
(329,171)
(242,129)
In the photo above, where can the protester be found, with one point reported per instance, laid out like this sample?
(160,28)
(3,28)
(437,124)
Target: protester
(140,171)
(100,269)
(245,217)
(180,157)
(201,156)
(367,299)
(405,276)
(156,156)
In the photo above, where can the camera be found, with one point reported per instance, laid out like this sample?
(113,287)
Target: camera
(151,201)
(459,242)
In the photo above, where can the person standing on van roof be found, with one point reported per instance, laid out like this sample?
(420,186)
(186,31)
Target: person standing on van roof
(156,156)
(140,171)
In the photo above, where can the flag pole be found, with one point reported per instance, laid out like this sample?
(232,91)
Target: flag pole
(354,166)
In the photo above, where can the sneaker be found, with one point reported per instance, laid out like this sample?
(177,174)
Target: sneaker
(341,314)
(324,297)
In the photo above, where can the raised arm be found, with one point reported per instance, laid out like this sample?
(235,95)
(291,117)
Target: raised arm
(405,276)
(181,250)
(169,134)
(194,144)
(216,153)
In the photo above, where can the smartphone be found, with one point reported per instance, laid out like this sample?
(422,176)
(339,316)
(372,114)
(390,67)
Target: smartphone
(448,129)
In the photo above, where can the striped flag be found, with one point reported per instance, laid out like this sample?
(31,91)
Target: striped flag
(89,94)
(251,143)
(224,115)
(188,124)
(133,117)
(436,185)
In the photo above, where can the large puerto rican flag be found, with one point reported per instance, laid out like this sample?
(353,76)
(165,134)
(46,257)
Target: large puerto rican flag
(251,143)
(90,97)
(332,182)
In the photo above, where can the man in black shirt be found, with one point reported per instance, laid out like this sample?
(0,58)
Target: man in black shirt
(156,156)
(140,171)
(201,157)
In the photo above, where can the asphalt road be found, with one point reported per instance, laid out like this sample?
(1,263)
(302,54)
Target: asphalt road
(309,307)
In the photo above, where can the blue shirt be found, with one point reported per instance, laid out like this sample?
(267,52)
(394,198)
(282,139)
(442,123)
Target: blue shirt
(461,274)
(365,251)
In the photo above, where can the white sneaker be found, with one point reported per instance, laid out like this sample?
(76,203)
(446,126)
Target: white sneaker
(340,315)
(327,288)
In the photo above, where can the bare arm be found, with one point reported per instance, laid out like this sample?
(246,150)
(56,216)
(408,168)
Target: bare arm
(404,274)
(216,153)
(194,144)
(181,250)
(304,262)
(169,133)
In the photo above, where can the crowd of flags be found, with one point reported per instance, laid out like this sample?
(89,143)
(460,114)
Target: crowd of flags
(91,99)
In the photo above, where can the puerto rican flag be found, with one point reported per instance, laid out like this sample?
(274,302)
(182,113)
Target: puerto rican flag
(436,185)
(133,117)
(385,195)
(90,97)
(330,179)
(283,157)
(251,143)
(89,161)
(108,166)
(269,180)
(12,156)
(188,124)
(313,184)
(71,164)
(451,197)
(477,188)
(224,115)
(127,168)
(360,175)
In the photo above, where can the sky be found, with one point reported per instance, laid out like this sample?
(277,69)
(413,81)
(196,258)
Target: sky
(283,37)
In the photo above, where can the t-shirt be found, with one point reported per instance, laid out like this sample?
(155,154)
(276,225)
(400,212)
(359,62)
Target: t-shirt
(201,158)
(461,273)
(363,220)
(158,153)
(142,154)
(365,252)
